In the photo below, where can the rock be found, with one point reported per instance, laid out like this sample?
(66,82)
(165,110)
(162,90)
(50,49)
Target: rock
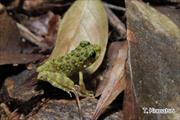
(68,110)
(21,87)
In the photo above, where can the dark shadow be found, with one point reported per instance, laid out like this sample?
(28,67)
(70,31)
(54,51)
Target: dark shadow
(115,106)
(9,70)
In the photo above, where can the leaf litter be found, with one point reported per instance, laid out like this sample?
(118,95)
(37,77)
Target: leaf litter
(92,26)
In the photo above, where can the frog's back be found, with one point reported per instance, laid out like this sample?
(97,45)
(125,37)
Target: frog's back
(78,59)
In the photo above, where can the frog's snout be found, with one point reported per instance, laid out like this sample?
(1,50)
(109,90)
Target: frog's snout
(42,76)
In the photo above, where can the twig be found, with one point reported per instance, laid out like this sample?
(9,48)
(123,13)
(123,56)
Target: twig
(1,8)
(57,5)
(31,37)
(5,108)
(114,7)
(116,22)
(11,115)
(79,105)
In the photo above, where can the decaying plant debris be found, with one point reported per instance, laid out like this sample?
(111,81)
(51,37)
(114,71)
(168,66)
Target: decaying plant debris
(138,65)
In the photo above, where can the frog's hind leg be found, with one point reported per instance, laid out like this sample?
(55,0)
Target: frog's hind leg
(58,80)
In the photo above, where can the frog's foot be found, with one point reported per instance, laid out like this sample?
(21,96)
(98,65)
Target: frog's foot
(81,89)
(83,92)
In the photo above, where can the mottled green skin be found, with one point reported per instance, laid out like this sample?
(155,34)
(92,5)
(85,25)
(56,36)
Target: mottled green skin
(59,71)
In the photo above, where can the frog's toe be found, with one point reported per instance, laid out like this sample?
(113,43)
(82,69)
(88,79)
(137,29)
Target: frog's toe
(83,92)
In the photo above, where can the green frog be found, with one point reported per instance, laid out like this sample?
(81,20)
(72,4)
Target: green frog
(61,71)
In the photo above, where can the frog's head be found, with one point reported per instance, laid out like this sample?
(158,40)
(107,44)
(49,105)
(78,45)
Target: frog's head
(90,52)
(97,50)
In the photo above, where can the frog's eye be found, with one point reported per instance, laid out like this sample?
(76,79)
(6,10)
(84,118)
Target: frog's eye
(93,54)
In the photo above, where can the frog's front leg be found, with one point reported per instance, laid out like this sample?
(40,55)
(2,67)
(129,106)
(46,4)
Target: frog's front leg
(82,88)
(57,79)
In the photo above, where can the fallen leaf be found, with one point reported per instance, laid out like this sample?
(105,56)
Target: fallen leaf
(31,4)
(45,27)
(17,58)
(45,5)
(10,48)
(14,4)
(115,77)
(9,34)
(52,29)
(27,34)
(112,53)
(24,81)
(129,102)
(85,20)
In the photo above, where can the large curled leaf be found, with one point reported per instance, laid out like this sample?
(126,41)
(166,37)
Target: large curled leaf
(115,77)
(85,20)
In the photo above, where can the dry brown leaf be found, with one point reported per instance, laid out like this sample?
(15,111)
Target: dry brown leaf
(24,81)
(44,27)
(17,58)
(31,4)
(113,51)
(44,5)
(129,103)
(10,48)
(116,78)
(85,20)
(9,34)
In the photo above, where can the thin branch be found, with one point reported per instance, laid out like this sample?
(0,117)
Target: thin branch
(116,22)
(11,115)
(1,8)
(31,37)
(114,7)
